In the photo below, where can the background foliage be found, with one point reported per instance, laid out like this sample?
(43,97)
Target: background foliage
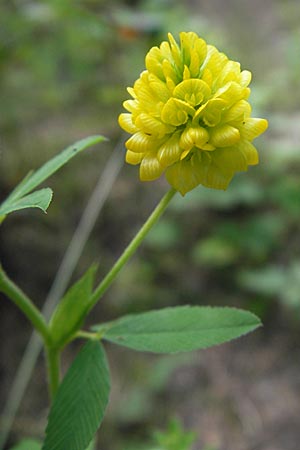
(64,66)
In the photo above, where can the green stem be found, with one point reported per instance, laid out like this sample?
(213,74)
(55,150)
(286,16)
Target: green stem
(14,293)
(53,370)
(86,335)
(132,247)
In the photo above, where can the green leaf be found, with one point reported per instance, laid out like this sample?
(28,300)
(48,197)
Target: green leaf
(72,309)
(179,329)
(80,402)
(50,167)
(28,444)
(38,199)
(18,199)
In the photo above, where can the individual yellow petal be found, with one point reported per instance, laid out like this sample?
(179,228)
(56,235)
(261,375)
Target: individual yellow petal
(160,89)
(140,143)
(253,127)
(153,62)
(185,153)
(150,168)
(230,159)
(182,176)
(207,77)
(152,126)
(249,152)
(214,61)
(232,92)
(131,105)
(170,151)
(238,112)
(175,50)
(145,96)
(133,158)
(130,90)
(224,136)
(186,73)
(175,112)
(210,112)
(208,147)
(166,50)
(198,54)
(170,84)
(194,137)
(195,64)
(217,178)
(245,78)
(192,91)
(230,72)
(125,122)
(170,71)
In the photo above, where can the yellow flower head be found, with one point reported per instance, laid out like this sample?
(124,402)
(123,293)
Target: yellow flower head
(189,116)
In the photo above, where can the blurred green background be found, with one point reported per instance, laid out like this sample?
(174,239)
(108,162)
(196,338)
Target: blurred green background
(64,67)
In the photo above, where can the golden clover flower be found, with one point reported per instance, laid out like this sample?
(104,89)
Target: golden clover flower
(189,116)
